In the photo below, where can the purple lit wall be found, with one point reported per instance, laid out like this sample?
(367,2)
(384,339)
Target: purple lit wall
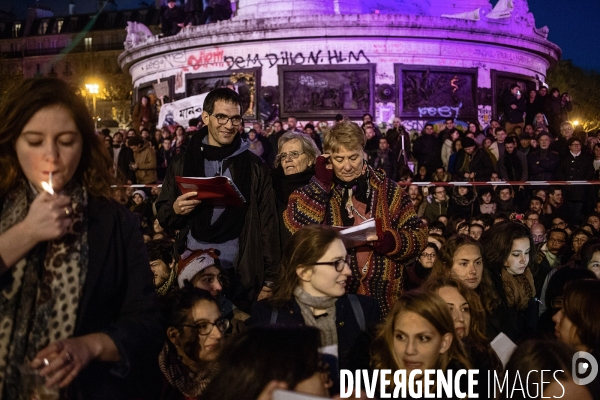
(423,60)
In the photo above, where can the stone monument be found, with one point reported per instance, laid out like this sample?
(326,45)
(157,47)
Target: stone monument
(422,60)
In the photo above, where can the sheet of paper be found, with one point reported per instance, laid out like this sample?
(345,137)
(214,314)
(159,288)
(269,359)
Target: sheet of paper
(287,395)
(504,347)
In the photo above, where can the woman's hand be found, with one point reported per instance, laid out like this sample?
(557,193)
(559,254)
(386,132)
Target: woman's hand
(49,217)
(61,361)
(324,170)
(183,206)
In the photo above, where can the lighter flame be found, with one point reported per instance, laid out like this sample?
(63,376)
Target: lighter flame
(47,186)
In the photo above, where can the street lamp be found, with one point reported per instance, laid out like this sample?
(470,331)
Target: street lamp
(93,88)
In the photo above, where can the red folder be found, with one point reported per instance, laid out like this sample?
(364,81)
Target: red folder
(214,191)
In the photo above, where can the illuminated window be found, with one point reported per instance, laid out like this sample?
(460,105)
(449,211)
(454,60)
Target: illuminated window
(59,25)
(16,29)
(43,27)
(88,44)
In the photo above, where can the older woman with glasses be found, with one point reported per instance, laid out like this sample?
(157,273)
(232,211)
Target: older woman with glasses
(294,167)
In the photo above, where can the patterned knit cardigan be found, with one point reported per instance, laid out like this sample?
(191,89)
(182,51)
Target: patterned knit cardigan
(383,280)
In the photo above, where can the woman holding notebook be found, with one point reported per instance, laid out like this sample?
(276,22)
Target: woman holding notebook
(345,191)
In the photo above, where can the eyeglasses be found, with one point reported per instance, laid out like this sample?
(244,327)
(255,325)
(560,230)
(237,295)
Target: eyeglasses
(292,154)
(558,302)
(440,192)
(559,224)
(205,328)
(223,119)
(580,240)
(556,240)
(337,264)
(428,255)
(533,219)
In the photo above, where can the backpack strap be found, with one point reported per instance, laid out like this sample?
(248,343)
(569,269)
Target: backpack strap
(358,312)
(274,314)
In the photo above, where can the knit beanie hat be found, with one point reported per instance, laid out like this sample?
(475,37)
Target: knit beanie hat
(467,142)
(195,263)
(141,193)
(544,133)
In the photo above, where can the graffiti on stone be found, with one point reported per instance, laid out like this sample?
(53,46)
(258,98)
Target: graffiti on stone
(443,111)
(428,92)
(271,60)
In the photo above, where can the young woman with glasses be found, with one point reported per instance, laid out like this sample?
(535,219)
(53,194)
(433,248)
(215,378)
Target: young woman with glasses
(195,331)
(417,272)
(311,290)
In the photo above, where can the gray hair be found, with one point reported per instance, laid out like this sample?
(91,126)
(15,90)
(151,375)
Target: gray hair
(308,145)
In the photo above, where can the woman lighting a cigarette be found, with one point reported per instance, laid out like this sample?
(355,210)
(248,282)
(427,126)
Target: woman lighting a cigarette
(77,300)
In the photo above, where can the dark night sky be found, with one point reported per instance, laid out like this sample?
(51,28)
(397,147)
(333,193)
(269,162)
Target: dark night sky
(574,24)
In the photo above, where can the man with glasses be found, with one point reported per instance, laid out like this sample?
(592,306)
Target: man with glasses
(553,250)
(577,166)
(561,145)
(247,237)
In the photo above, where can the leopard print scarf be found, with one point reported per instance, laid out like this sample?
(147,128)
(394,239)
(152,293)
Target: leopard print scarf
(39,306)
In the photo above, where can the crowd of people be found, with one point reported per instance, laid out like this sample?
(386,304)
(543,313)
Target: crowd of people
(173,17)
(178,298)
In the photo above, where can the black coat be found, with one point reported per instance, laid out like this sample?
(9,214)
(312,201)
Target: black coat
(426,150)
(542,169)
(516,115)
(353,344)
(259,248)
(480,163)
(576,169)
(119,300)
(125,158)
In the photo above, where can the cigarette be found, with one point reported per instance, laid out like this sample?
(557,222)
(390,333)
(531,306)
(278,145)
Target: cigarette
(47,186)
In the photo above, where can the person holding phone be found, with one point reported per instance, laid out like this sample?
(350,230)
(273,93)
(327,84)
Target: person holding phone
(515,107)
(345,191)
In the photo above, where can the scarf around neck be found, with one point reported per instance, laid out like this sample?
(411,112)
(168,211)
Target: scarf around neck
(284,185)
(325,322)
(181,377)
(519,289)
(360,189)
(40,303)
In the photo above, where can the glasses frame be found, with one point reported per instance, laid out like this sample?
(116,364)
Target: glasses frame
(281,157)
(222,321)
(428,255)
(228,119)
(337,264)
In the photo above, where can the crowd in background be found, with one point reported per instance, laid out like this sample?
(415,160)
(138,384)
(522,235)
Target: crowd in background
(174,17)
(271,295)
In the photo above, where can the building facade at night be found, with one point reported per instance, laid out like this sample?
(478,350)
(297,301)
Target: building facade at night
(420,60)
